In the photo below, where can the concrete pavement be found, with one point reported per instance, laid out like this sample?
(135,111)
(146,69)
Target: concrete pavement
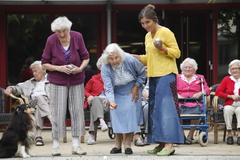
(104,144)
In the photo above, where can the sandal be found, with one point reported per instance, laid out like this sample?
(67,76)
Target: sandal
(39,141)
(166,152)
(155,150)
(188,140)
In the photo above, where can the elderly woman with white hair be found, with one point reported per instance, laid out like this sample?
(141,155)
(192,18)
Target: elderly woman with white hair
(96,100)
(123,77)
(189,85)
(229,90)
(65,56)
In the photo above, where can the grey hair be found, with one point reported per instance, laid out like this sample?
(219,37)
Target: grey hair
(109,51)
(60,23)
(191,61)
(99,63)
(39,63)
(231,63)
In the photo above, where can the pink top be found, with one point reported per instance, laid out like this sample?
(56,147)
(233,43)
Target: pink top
(186,89)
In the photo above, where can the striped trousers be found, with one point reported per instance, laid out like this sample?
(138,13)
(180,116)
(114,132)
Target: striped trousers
(62,97)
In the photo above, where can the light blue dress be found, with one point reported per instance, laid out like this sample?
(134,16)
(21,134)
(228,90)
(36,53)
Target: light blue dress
(128,115)
(124,117)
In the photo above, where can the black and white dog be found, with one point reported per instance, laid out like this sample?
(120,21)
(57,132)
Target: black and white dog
(20,133)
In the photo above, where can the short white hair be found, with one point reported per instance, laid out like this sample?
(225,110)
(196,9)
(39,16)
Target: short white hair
(231,63)
(109,51)
(99,63)
(60,23)
(39,63)
(191,61)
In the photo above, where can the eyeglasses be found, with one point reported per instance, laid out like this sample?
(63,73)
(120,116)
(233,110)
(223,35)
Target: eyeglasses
(232,69)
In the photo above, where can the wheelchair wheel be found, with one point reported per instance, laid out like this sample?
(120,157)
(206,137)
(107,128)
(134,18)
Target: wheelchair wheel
(110,133)
(202,139)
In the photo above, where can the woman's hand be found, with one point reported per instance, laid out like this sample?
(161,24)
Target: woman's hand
(76,69)
(65,69)
(145,95)
(113,105)
(134,93)
(234,97)
(106,103)
(89,99)
(197,95)
(160,47)
(179,96)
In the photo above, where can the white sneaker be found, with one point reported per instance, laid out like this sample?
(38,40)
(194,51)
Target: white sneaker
(91,140)
(104,127)
(78,150)
(138,142)
(145,141)
(56,152)
(175,145)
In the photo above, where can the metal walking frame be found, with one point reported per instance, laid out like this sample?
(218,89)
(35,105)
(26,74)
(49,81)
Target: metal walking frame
(203,126)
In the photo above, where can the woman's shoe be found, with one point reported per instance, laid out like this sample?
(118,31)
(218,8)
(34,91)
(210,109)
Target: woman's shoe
(230,140)
(128,151)
(238,140)
(184,137)
(115,150)
(39,141)
(138,142)
(155,150)
(145,141)
(166,152)
(188,140)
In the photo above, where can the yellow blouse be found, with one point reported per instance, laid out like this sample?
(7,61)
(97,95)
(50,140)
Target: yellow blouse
(159,63)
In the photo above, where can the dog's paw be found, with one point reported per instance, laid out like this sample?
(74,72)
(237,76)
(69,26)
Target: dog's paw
(26,156)
(32,155)
(18,155)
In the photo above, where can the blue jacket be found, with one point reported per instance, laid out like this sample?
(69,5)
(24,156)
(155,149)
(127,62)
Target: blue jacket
(133,66)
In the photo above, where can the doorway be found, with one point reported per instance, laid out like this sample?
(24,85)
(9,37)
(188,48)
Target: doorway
(192,31)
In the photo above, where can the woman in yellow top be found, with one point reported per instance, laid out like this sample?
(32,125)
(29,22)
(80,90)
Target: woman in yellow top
(164,125)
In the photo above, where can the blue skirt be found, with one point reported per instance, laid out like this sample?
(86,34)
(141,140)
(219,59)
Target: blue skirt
(126,117)
(164,122)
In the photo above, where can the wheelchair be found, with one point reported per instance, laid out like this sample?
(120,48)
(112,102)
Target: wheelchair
(202,127)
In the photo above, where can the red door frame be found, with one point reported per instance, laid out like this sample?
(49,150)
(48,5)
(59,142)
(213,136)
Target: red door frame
(3,51)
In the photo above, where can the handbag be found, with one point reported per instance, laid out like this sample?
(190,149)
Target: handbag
(191,110)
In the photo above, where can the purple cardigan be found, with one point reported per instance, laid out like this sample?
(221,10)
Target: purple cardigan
(53,55)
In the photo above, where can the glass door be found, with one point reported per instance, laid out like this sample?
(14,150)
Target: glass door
(192,32)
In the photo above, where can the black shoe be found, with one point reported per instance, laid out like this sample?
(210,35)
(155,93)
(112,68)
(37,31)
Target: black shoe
(128,151)
(115,150)
(230,140)
(238,140)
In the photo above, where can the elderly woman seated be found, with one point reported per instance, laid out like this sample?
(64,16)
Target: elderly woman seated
(95,96)
(189,85)
(229,90)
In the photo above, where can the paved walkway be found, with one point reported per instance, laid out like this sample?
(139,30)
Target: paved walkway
(104,144)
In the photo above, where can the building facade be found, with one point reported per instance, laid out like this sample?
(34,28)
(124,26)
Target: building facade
(25,26)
